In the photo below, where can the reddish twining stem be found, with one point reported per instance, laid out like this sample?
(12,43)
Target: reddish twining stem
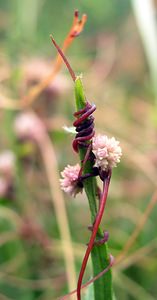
(94,232)
(87,155)
(84,126)
(111,263)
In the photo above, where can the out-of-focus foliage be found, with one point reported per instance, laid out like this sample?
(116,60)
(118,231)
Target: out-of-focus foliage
(116,77)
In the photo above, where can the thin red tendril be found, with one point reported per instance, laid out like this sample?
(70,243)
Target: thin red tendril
(111,262)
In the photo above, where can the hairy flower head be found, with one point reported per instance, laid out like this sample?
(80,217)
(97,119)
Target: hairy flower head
(69,182)
(107,152)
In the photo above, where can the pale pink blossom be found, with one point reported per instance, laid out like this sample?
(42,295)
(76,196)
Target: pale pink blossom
(69,183)
(28,125)
(7,163)
(107,152)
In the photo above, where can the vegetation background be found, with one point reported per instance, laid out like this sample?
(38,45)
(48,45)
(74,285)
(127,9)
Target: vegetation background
(117,54)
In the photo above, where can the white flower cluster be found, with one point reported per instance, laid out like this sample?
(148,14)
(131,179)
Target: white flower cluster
(107,152)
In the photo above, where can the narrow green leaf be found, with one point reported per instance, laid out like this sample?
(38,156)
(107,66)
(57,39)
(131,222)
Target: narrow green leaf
(79,94)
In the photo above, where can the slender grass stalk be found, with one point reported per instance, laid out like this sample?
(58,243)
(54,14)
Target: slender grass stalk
(132,287)
(99,251)
(100,255)
(138,255)
(50,163)
(145,15)
(141,223)
(24,9)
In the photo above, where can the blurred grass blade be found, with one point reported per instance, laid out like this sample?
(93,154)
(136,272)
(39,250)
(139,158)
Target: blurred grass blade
(27,16)
(133,288)
(144,12)
(89,293)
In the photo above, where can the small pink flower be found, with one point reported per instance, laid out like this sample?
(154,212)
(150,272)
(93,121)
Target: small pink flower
(69,183)
(29,126)
(107,152)
(7,163)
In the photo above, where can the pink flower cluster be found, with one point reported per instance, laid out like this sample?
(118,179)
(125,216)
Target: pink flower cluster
(69,182)
(107,155)
(107,152)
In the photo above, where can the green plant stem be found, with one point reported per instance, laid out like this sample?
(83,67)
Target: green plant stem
(99,254)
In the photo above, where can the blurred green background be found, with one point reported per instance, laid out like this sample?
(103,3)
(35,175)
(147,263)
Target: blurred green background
(119,75)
